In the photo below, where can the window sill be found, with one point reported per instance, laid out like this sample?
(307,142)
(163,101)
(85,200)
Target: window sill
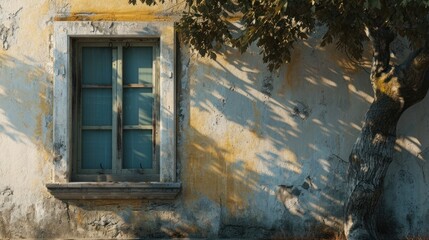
(114,190)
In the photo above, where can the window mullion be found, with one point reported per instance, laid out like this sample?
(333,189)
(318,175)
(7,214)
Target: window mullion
(115,107)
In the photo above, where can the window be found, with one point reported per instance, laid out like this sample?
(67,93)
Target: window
(114,110)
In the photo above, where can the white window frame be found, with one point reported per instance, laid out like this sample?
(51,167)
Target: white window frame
(62,113)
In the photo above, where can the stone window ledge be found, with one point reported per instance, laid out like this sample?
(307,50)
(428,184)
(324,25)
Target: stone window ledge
(114,190)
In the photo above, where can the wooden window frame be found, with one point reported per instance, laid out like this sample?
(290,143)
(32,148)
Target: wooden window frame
(117,173)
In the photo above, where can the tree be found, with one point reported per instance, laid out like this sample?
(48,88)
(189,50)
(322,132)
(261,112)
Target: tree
(276,25)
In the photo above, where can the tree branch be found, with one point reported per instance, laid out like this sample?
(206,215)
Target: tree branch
(415,76)
(420,60)
(380,37)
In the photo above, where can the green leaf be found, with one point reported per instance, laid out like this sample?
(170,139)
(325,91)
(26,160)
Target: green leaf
(373,4)
(275,25)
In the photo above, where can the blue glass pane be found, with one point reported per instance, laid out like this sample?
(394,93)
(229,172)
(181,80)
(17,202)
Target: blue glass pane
(96,149)
(137,149)
(96,107)
(97,65)
(137,65)
(138,104)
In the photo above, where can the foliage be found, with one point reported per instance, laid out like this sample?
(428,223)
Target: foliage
(276,25)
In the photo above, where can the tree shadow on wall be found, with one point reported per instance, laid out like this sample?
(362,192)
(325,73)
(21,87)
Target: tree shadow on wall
(270,151)
(25,143)
(261,155)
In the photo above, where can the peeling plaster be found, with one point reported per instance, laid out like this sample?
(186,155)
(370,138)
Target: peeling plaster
(8,26)
(103,27)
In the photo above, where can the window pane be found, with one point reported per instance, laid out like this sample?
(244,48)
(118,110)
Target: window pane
(96,149)
(137,65)
(96,107)
(97,65)
(137,149)
(138,104)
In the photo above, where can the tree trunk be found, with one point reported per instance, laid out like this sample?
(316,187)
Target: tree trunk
(396,88)
(369,161)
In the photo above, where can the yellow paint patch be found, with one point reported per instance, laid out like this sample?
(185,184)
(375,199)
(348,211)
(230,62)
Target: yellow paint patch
(38,31)
(242,179)
(133,16)
(114,10)
(114,6)
(224,172)
(206,168)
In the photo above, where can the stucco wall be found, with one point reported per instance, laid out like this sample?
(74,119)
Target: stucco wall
(259,154)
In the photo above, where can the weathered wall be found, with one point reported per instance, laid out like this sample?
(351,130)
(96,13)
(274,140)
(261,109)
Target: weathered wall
(260,154)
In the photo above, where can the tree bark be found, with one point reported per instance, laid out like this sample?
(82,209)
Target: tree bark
(396,88)
(369,161)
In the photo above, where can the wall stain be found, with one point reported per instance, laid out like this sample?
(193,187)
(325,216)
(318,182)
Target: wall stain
(292,72)
(348,65)
(43,134)
(97,16)
(256,126)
